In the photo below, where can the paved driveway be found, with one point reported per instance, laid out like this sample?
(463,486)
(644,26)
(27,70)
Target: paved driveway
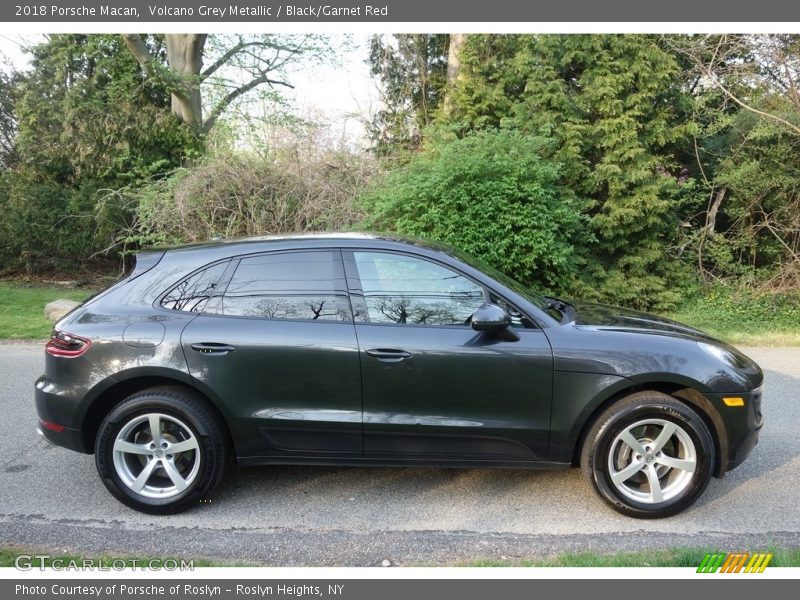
(52,498)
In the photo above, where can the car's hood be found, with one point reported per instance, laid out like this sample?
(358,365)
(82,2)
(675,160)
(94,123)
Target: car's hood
(616,317)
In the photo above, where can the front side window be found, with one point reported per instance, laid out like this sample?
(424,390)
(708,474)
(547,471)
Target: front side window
(407,290)
(192,294)
(288,285)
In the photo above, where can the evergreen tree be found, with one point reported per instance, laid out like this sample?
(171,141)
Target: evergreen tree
(615,107)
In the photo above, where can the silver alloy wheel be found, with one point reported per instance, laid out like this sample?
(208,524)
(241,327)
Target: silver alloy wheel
(652,461)
(156,455)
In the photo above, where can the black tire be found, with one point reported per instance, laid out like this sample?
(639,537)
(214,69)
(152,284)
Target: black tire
(602,447)
(189,416)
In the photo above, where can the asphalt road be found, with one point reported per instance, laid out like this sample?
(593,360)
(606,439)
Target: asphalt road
(51,498)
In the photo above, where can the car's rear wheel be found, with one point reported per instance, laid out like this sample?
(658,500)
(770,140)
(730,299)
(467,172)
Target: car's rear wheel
(648,455)
(161,451)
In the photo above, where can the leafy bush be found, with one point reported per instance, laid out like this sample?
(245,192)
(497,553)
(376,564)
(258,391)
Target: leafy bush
(492,195)
(43,228)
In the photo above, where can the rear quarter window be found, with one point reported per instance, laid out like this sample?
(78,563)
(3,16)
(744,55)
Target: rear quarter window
(193,293)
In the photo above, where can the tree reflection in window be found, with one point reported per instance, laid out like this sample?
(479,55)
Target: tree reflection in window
(324,308)
(307,285)
(192,294)
(406,290)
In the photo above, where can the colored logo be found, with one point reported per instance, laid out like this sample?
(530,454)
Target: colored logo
(734,562)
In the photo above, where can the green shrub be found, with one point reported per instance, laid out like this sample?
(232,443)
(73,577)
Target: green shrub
(44,226)
(492,195)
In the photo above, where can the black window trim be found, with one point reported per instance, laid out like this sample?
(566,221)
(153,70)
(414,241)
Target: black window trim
(352,282)
(517,309)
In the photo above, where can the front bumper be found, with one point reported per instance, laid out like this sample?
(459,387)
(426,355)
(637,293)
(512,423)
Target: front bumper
(742,424)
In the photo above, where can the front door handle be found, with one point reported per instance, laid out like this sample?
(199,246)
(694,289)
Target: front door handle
(388,354)
(213,348)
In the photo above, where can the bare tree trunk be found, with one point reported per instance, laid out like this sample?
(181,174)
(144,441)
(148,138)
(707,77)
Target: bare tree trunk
(711,215)
(185,56)
(709,229)
(453,68)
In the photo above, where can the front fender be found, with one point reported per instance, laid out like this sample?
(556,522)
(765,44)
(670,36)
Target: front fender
(576,397)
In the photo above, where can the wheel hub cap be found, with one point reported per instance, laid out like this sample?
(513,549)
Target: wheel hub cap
(156,455)
(652,461)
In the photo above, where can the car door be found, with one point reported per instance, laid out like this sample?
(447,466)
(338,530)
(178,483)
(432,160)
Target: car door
(433,387)
(278,348)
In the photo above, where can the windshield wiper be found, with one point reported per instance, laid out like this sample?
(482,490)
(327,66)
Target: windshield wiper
(559,305)
(555,304)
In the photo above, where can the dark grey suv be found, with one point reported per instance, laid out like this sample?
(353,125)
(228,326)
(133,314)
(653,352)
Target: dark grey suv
(362,349)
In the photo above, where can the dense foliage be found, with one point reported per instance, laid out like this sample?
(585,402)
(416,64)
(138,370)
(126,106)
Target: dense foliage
(8,120)
(613,108)
(682,150)
(87,121)
(493,195)
(632,169)
(297,189)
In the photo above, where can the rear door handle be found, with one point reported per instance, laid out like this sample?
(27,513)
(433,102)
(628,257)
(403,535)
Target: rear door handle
(388,354)
(213,348)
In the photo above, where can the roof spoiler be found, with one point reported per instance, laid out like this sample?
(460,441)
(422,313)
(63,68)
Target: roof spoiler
(144,262)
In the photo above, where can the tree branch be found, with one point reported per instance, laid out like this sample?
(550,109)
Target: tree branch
(138,48)
(233,51)
(226,101)
(237,48)
(753,109)
(149,62)
(708,71)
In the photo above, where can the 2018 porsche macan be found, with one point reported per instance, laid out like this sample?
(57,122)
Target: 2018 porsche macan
(363,349)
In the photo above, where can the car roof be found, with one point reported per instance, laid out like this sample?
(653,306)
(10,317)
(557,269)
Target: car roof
(303,240)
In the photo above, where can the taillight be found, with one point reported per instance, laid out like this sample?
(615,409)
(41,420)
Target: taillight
(52,426)
(66,344)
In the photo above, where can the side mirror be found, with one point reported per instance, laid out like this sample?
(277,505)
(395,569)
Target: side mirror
(492,318)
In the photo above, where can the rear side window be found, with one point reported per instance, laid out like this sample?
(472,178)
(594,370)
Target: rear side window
(192,294)
(306,285)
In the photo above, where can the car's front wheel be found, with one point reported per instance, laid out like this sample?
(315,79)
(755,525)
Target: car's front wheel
(648,455)
(161,451)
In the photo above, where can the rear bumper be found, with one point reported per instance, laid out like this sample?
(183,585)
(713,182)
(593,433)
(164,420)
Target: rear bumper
(55,421)
(67,438)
